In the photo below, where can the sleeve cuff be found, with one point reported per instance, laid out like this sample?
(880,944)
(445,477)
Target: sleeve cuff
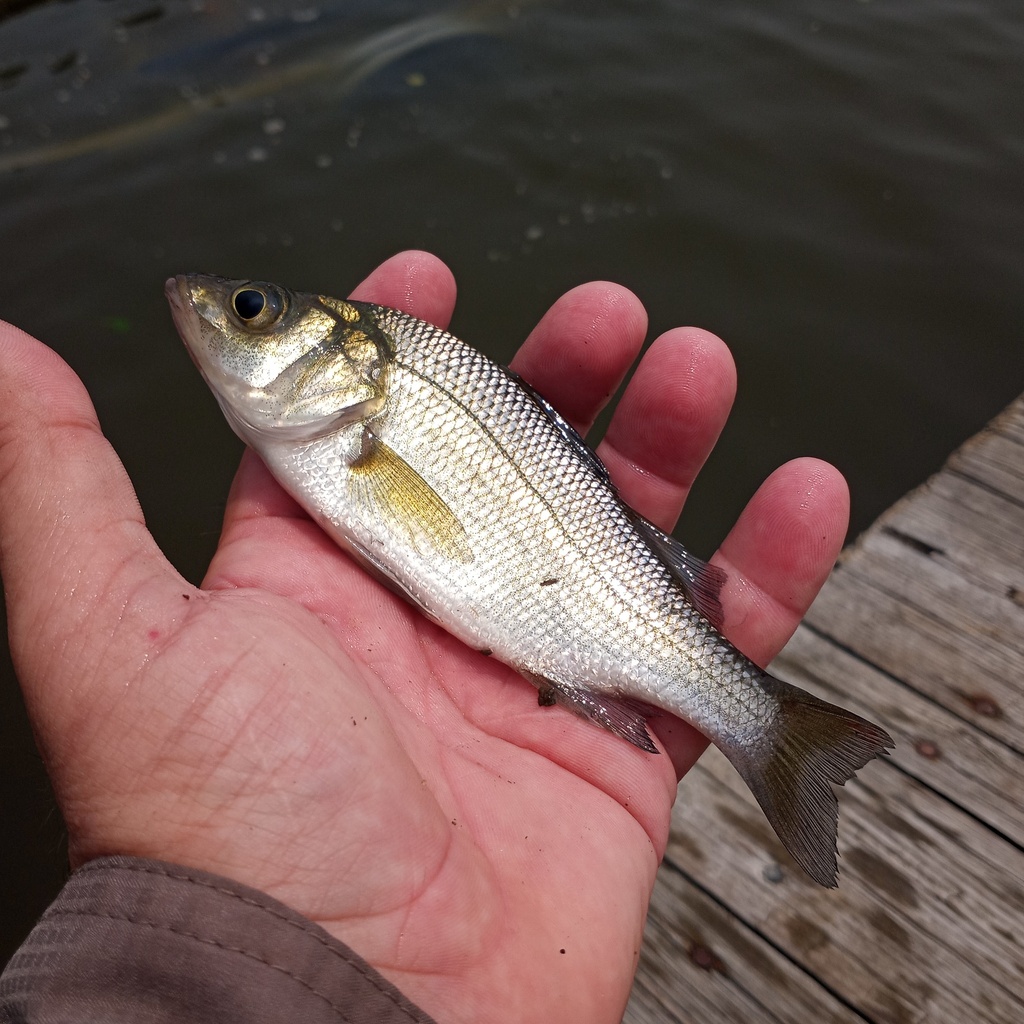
(139,940)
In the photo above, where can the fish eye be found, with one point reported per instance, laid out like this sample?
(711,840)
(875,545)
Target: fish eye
(257,307)
(249,303)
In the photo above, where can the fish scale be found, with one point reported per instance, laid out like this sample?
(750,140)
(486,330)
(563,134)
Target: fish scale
(583,504)
(462,489)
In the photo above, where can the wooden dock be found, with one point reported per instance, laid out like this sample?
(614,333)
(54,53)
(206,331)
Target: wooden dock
(921,628)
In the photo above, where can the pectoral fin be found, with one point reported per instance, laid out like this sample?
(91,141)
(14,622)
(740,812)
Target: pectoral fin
(400,495)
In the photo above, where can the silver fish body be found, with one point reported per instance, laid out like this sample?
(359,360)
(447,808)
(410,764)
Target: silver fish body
(462,488)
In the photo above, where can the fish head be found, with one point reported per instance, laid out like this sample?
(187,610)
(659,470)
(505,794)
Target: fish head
(282,364)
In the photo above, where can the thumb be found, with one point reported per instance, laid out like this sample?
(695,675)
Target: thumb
(80,570)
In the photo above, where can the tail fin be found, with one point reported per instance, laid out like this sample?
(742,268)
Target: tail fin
(810,745)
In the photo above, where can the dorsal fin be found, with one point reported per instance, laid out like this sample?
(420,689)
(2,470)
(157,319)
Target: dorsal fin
(701,581)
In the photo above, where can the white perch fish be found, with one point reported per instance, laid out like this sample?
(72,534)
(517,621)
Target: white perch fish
(449,478)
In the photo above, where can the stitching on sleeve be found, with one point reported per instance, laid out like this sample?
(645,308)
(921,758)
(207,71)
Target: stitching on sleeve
(156,926)
(303,926)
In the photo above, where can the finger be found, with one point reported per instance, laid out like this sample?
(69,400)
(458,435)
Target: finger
(578,354)
(78,564)
(681,741)
(779,554)
(414,282)
(668,420)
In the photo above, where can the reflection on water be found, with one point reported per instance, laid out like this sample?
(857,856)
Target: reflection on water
(832,185)
(211,76)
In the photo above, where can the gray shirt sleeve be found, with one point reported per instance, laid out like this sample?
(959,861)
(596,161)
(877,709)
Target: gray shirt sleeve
(141,941)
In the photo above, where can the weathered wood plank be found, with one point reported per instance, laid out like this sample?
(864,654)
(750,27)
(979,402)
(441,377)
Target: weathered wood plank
(932,594)
(994,461)
(976,529)
(921,627)
(926,924)
(941,648)
(973,604)
(700,963)
(1009,424)
(994,456)
(975,772)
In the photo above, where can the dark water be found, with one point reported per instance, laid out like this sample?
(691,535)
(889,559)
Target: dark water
(834,186)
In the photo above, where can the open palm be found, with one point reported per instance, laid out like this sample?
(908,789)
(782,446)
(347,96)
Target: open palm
(293,725)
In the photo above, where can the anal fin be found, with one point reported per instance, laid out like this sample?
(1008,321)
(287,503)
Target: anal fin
(620,715)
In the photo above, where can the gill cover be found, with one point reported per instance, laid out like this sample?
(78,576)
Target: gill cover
(281,363)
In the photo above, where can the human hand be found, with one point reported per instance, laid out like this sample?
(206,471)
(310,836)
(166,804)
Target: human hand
(293,725)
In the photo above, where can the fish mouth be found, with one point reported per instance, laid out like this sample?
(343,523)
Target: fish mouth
(173,286)
(180,299)
(187,319)
(187,314)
